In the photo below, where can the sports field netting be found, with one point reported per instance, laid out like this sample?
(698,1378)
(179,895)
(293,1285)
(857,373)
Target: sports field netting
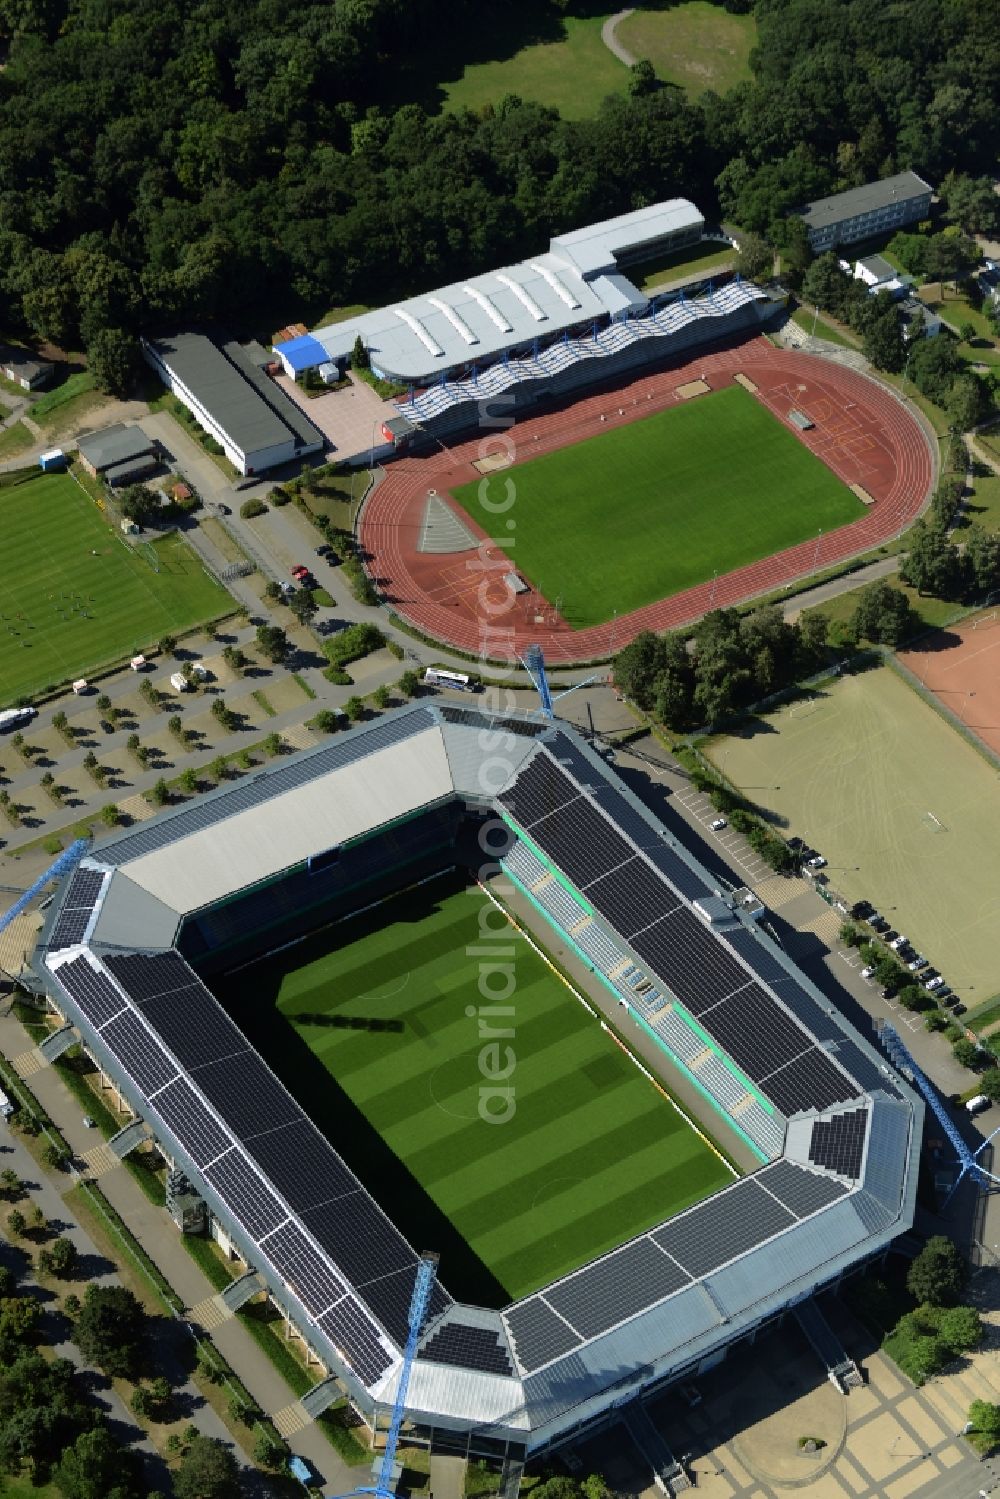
(592,1153)
(654,506)
(904,810)
(74,596)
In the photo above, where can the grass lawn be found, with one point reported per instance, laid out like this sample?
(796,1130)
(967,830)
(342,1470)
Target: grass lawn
(15,439)
(694,261)
(384,1050)
(640,512)
(341,314)
(931,613)
(572,74)
(983,505)
(61,395)
(77,597)
(957,309)
(824,328)
(855,769)
(695,45)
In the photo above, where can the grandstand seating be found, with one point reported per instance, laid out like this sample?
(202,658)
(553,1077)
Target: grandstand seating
(621,973)
(576,361)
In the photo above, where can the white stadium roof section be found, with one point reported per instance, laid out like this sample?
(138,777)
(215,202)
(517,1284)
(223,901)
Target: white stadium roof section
(352,799)
(840,1175)
(484,317)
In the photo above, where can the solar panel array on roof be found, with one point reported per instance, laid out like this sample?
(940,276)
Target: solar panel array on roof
(616,1287)
(245,1105)
(538,1334)
(723,1227)
(839,1143)
(77,907)
(349,1329)
(498,723)
(468,1347)
(681,950)
(93,992)
(756,1032)
(632,897)
(266,785)
(811,1081)
(802,1192)
(540,788)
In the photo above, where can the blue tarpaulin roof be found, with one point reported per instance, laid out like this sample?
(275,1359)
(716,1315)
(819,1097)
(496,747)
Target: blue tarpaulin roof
(302,353)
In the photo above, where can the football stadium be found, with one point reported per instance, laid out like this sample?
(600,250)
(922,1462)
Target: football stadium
(397,1062)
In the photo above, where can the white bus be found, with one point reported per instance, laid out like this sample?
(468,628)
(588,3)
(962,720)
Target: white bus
(436,676)
(12,718)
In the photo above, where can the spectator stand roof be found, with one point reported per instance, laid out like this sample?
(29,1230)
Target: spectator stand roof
(576,282)
(328,1253)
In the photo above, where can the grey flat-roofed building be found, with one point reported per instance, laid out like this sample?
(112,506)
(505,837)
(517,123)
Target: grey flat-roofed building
(132,470)
(23,368)
(114,446)
(236,403)
(862,212)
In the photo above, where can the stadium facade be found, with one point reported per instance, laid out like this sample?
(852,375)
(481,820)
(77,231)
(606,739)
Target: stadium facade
(210,885)
(548,326)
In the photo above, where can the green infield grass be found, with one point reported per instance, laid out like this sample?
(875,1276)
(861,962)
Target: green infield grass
(903,809)
(76,597)
(645,510)
(377,1025)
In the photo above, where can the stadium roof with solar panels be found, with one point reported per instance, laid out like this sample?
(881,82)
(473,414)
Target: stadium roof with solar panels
(835,1129)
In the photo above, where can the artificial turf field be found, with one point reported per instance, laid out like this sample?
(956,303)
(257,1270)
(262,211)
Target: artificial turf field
(74,596)
(592,1154)
(904,810)
(647,509)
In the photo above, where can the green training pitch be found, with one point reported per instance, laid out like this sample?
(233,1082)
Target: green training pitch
(383,1048)
(75,597)
(648,509)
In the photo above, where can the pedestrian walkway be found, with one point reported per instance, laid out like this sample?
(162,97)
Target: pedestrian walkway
(93,1268)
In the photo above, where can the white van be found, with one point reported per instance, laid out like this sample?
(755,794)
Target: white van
(978,1104)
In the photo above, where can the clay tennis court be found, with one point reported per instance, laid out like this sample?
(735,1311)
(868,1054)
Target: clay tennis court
(860,431)
(961,667)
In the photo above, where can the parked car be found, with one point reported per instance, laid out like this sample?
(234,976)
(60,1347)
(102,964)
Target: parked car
(866,973)
(978,1104)
(878,924)
(717,824)
(817,862)
(899,941)
(300,572)
(863,910)
(916,964)
(958,1009)
(935,983)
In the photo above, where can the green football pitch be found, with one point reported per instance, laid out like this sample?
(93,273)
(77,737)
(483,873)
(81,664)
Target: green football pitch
(75,596)
(381,1043)
(647,509)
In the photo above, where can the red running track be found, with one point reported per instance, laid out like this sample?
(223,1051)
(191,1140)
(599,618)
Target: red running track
(861,431)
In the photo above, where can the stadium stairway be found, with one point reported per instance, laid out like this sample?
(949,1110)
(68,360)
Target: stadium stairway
(668,1475)
(841,1369)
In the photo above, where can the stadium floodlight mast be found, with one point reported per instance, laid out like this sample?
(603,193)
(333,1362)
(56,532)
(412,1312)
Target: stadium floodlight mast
(968,1160)
(385,1469)
(533,662)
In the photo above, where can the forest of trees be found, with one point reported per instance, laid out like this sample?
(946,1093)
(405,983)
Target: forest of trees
(166,160)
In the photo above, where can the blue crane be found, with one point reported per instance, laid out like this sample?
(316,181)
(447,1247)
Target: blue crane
(65,864)
(385,1480)
(534,665)
(968,1159)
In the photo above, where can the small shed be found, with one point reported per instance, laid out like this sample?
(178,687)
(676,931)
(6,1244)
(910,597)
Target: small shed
(113,447)
(180,493)
(398,430)
(22,368)
(328,373)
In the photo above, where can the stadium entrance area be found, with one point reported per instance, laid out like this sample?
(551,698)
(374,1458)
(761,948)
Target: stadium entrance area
(474,1093)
